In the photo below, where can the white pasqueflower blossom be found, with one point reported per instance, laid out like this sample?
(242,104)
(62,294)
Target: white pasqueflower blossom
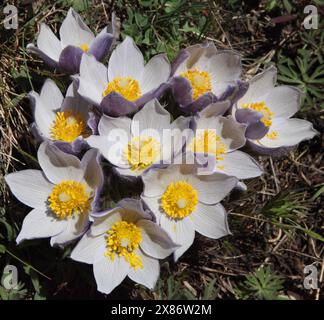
(124,242)
(127,84)
(184,202)
(266,110)
(219,138)
(64,120)
(202,75)
(135,145)
(75,39)
(62,195)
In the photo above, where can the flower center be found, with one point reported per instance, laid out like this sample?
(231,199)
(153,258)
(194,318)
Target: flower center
(200,82)
(261,107)
(67,126)
(128,87)
(123,238)
(142,152)
(84,47)
(179,200)
(69,197)
(207,141)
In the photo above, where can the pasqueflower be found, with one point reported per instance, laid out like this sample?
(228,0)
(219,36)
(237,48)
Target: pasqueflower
(184,202)
(64,120)
(127,84)
(266,110)
(62,194)
(135,145)
(203,75)
(75,39)
(124,242)
(219,138)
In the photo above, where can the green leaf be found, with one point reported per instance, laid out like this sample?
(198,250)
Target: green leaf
(2,248)
(287,6)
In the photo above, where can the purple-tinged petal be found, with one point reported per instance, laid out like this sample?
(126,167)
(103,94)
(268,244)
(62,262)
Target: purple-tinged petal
(182,91)
(256,131)
(180,58)
(75,147)
(228,93)
(93,174)
(101,45)
(200,103)
(241,88)
(156,93)
(262,150)
(70,59)
(116,105)
(248,116)
(215,109)
(93,122)
(49,61)
(37,133)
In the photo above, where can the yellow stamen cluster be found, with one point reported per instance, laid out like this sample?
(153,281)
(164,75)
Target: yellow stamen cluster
(142,152)
(128,87)
(84,47)
(261,107)
(200,82)
(273,135)
(179,200)
(207,141)
(69,197)
(67,126)
(123,238)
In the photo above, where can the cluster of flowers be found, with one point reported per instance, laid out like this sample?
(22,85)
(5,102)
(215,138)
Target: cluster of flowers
(187,165)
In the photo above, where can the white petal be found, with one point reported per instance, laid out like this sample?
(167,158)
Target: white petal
(93,174)
(147,276)
(232,133)
(108,124)
(210,220)
(46,104)
(40,224)
(135,208)
(44,116)
(151,120)
(156,242)
(48,42)
(57,165)
(154,205)
(181,232)
(283,101)
(74,31)
(259,86)
(212,188)
(215,109)
(93,79)
(73,101)
(239,165)
(51,95)
(109,274)
(290,132)
(76,226)
(157,180)
(180,134)
(225,66)
(155,72)
(117,132)
(30,187)
(126,61)
(112,151)
(86,248)
(104,223)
